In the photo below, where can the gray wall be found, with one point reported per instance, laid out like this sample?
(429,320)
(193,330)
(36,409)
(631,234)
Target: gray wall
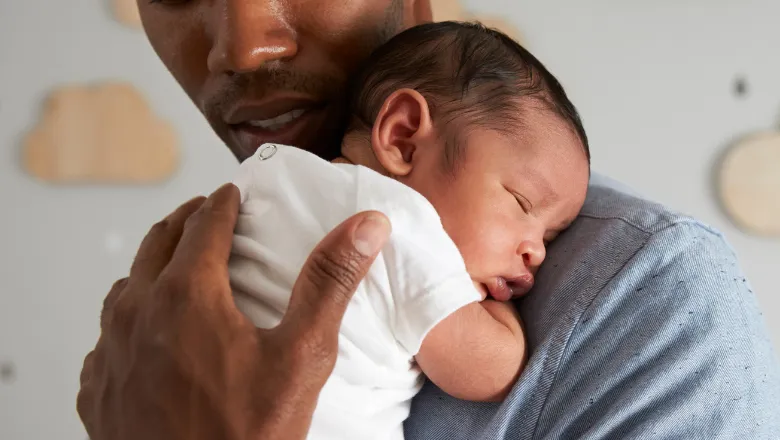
(653,81)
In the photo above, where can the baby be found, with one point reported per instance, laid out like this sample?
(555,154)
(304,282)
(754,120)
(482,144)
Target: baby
(475,154)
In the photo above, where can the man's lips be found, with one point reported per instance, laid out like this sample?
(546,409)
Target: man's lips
(268,109)
(283,121)
(503,289)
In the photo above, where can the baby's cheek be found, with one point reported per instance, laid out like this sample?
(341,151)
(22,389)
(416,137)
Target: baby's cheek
(484,253)
(470,248)
(482,238)
(499,245)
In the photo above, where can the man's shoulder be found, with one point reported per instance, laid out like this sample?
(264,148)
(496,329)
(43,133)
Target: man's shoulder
(652,307)
(621,240)
(641,325)
(627,254)
(610,202)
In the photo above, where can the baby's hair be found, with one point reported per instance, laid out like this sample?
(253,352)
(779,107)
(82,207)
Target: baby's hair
(466,72)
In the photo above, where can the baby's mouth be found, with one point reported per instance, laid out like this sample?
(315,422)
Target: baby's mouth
(521,285)
(502,289)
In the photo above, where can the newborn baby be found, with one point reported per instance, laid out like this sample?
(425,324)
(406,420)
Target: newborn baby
(475,154)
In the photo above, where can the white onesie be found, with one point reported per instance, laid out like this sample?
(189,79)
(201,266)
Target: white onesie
(290,199)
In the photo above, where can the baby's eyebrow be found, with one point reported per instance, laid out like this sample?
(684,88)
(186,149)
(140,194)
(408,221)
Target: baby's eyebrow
(546,190)
(541,185)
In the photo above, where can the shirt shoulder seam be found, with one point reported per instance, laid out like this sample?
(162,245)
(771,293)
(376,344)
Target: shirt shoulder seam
(683,221)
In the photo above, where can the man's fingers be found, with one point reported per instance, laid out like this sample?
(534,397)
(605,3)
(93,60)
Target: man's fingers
(86,369)
(85,399)
(84,408)
(331,275)
(110,301)
(208,234)
(160,242)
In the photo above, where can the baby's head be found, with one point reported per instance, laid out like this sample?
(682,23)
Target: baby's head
(477,125)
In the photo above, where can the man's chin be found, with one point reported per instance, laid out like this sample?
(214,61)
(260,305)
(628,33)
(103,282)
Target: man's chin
(310,132)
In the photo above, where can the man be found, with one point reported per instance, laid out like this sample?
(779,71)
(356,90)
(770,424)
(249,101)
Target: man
(641,324)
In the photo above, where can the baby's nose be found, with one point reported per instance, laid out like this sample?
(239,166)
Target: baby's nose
(533,253)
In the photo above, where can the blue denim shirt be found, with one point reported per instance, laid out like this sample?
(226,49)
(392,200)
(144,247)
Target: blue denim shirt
(641,325)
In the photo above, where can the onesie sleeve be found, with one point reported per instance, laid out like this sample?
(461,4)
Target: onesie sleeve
(426,273)
(426,285)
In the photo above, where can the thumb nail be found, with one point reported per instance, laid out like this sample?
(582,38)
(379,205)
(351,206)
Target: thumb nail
(371,234)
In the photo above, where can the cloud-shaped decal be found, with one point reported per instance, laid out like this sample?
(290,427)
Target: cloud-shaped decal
(444,10)
(100,134)
(749,183)
(126,12)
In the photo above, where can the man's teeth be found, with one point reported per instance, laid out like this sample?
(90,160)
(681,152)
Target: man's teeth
(277,122)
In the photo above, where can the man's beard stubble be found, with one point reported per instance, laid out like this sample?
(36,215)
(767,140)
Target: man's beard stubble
(257,85)
(321,86)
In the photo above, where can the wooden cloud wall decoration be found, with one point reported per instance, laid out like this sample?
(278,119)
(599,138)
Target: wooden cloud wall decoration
(748,183)
(126,12)
(445,10)
(103,133)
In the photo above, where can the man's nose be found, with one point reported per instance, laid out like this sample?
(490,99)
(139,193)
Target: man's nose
(248,34)
(533,253)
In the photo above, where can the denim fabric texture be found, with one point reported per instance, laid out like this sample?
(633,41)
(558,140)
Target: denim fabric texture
(641,326)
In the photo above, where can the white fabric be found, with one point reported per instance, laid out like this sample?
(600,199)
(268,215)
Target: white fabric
(290,199)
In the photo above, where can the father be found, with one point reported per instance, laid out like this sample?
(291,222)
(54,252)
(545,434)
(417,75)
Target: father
(641,324)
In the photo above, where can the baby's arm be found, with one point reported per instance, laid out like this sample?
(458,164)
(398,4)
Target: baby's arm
(476,353)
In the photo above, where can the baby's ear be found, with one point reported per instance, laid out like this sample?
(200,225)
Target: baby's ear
(402,126)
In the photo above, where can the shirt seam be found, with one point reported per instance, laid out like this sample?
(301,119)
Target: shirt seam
(671,223)
(649,237)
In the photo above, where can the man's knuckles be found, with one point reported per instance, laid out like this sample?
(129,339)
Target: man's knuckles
(87,367)
(337,272)
(121,321)
(161,227)
(111,299)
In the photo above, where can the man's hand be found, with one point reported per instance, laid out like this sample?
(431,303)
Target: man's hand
(177,360)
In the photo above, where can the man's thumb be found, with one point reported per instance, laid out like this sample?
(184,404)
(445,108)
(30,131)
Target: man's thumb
(331,275)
